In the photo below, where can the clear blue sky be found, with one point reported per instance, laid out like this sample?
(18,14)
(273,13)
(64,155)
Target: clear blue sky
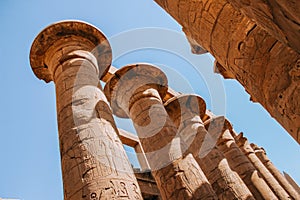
(30,163)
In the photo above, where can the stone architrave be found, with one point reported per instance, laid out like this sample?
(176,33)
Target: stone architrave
(186,111)
(244,145)
(237,160)
(262,155)
(267,68)
(136,91)
(94,164)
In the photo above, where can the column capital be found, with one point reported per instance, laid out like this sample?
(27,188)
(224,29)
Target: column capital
(180,107)
(243,143)
(258,149)
(217,125)
(60,35)
(129,84)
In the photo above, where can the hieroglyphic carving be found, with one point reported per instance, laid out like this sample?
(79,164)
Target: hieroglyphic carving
(179,184)
(280,18)
(116,190)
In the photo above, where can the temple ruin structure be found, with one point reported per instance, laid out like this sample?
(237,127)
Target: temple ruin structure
(184,150)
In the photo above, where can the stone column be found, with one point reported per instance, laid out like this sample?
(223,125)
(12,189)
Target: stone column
(261,154)
(292,182)
(220,129)
(269,178)
(186,112)
(136,91)
(245,52)
(75,55)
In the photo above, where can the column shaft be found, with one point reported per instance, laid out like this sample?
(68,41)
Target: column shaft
(94,163)
(292,182)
